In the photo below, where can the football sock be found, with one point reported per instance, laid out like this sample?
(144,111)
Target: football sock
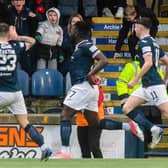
(110,124)
(34,134)
(140,118)
(66,128)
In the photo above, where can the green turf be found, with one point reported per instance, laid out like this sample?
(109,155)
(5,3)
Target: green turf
(85,163)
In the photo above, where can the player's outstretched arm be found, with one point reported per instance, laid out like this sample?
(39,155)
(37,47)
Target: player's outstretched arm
(14,36)
(28,40)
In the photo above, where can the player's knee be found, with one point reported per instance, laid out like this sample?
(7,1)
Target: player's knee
(65,116)
(165,112)
(126,109)
(67,113)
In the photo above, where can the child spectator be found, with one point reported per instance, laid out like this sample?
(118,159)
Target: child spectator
(50,36)
(131,14)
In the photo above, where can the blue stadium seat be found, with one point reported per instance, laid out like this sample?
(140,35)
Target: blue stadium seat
(23,79)
(47,82)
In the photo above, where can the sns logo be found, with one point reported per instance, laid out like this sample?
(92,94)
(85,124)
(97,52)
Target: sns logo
(14,136)
(14,139)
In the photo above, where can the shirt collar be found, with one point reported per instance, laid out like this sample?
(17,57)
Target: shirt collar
(81,42)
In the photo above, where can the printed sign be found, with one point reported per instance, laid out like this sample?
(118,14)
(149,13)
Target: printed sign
(107,27)
(15,143)
(106,40)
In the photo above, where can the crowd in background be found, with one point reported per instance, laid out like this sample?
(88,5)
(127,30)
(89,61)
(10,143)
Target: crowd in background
(42,18)
(32,12)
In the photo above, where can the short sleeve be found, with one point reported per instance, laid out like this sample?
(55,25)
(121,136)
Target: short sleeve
(161,53)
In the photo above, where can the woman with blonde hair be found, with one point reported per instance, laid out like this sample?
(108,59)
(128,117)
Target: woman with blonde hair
(73,19)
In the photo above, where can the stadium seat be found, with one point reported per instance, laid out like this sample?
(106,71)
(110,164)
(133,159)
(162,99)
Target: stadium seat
(23,79)
(47,82)
(68,83)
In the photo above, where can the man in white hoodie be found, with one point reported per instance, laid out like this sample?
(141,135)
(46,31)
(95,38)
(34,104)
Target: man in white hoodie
(50,36)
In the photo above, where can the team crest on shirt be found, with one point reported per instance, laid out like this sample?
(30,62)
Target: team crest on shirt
(72,57)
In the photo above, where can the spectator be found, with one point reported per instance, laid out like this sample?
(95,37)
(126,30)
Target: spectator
(88,9)
(50,36)
(67,45)
(131,14)
(67,8)
(41,6)
(151,112)
(21,18)
(111,8)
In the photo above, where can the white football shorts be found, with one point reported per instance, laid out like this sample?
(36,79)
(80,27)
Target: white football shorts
(14,101)
(83,96)
(155,94)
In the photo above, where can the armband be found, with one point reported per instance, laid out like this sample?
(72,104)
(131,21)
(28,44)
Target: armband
(61,57)
(38,38)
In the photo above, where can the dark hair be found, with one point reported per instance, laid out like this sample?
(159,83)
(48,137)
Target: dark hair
(145,21)
(4,28)
(83,28)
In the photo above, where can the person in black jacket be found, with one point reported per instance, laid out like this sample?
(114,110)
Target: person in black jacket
(131,14)
(41,6)
(23,19)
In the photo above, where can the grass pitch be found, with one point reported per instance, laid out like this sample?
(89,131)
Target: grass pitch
(85,163)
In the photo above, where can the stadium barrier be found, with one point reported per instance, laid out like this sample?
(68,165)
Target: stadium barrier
(15,143)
